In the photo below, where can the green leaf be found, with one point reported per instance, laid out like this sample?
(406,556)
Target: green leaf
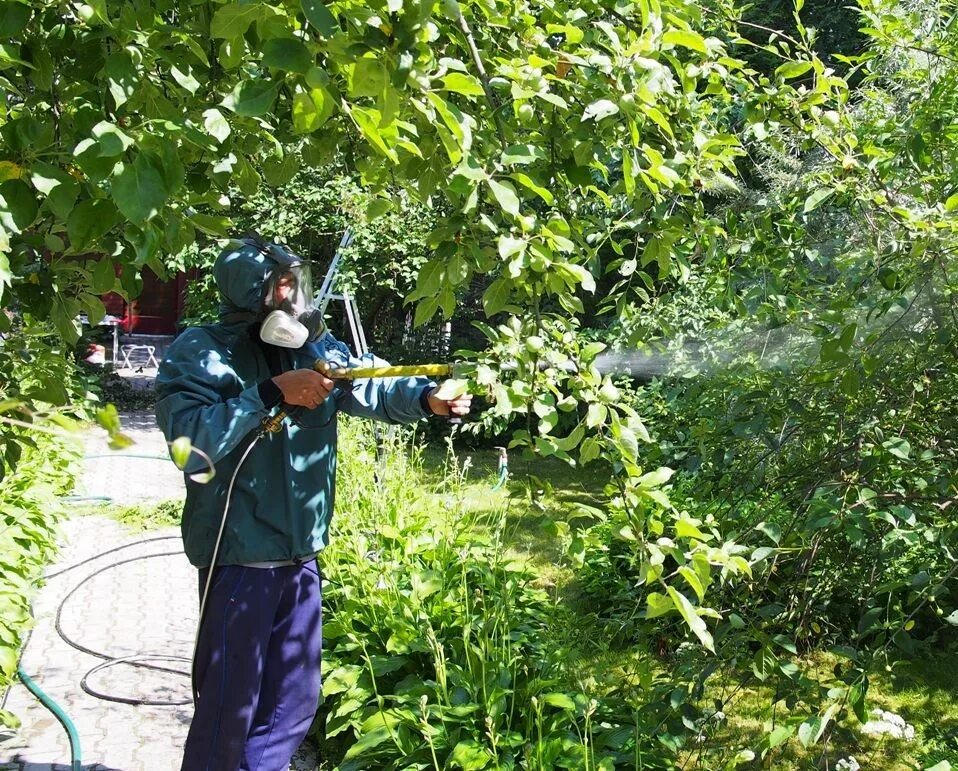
(528,183)
(686,527)
(320,17)
(693,580)
(497,296)
(185,78)
(461,83)
(817,198)
(112,140)
(793,69)
(8,661)
(657,604)
(89,221)
(560,700)
(367,78)
(252,98)
(951,204)
(122,77)
(899,447)
(368,741)
(312,110)
(521,154)
(505,195)
(425,310)
(367,119)
(469,755)
(773,531)
(694,621)
(602,108)
(18,206)
(231,21)
(216,124)
(13,18)
(685,38)
(287,54)
(139,190)
(377,208)
(104,276)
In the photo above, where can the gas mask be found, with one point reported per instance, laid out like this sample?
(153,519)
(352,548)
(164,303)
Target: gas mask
(291,318)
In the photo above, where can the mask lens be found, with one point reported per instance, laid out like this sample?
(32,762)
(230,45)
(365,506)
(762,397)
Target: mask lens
(289,289)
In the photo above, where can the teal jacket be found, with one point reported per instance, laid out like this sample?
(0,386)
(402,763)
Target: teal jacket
(208,390)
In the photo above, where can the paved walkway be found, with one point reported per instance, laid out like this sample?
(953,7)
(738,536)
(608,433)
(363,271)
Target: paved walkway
(146,605)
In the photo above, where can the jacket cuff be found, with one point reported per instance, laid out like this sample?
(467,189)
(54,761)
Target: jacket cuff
(269,393)
(424,399)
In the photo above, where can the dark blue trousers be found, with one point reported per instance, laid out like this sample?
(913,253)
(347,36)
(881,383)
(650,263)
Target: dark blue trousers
(257,668)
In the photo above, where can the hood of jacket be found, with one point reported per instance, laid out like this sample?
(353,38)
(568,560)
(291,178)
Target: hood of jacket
(240,273)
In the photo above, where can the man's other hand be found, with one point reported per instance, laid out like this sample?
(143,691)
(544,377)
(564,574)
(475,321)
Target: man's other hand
(304,387)
(459,406)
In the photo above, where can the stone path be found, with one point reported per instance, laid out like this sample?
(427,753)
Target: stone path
(146,605)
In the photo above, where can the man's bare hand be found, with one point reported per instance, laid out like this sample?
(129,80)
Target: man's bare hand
(459,406)
(304,387)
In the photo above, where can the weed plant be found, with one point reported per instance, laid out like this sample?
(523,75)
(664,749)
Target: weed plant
(440,650)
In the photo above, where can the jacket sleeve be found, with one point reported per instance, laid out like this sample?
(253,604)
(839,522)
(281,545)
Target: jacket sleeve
(191,403)
(389,399)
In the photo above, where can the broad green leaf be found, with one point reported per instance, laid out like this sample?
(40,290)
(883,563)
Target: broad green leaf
(377,208)
(252,98)
(232,20)
(527,182)
(469,755)
(521,154)
(685,38)
(185,78)
(18,206)
(951,204)
(602,108)
(367,78)
(112,140)
(496,297)
(693,580)
(122,77)
(817,198)
(462,83)
(104,275)
(560,700)
(694,621)
(367,119)
(505,195)
(320,17)
(139,190)
(216,124)
(793,69)
(657,604)
(90,220)
(287,54)
(686,527)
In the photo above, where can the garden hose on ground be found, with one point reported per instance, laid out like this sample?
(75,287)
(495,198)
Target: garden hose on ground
(140,660)
(76,763)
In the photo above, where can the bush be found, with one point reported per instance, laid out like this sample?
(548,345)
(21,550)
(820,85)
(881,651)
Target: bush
(440,650)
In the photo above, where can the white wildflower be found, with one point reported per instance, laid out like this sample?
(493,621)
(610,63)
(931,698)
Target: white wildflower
(888,724)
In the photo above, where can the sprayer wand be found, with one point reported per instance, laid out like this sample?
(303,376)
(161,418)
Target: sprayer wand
(274,423)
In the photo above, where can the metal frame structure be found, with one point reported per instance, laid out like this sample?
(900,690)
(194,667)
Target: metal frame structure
(328,292)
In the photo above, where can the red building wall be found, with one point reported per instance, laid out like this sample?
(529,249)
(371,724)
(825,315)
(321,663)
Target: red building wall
(156,310)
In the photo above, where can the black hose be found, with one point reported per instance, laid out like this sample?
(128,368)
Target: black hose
(139,660)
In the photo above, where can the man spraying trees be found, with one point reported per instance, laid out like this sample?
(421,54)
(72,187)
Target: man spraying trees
(260,522)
